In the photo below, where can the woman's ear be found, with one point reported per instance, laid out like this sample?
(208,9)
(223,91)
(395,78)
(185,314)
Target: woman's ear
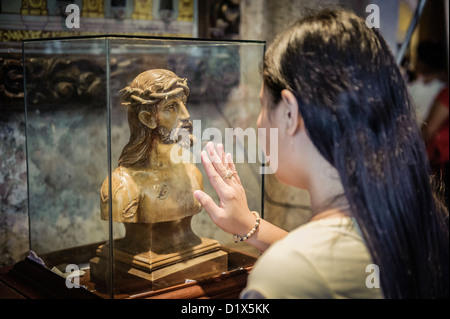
(147,119)
(294,120)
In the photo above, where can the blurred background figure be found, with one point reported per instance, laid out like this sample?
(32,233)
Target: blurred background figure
(430,77)
(435,132)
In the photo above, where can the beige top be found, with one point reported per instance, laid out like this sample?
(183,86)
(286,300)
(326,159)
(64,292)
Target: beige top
(321,259)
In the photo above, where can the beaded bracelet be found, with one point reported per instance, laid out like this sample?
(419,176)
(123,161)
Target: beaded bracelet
(238,238)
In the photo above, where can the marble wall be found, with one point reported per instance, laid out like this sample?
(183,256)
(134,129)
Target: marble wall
(13,189)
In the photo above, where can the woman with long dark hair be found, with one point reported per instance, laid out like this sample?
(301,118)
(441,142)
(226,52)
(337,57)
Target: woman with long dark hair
(347,133)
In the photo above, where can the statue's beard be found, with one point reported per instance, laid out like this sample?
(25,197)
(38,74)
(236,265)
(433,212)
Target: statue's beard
(181,135)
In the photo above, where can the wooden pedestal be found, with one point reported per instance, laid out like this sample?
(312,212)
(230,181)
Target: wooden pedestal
(29,280)
(152,271)
(151,261)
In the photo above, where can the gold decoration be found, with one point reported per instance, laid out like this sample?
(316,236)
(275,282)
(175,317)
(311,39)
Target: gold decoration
(19,35)
(34,7)
(93,9)
(186,10)
(143,10)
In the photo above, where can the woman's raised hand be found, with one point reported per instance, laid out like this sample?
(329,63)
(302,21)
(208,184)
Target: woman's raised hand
(232,213)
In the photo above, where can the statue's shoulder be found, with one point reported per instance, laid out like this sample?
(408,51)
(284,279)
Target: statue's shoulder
(125,193)
(121,181)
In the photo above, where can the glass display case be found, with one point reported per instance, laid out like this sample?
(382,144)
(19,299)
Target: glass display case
(115,126)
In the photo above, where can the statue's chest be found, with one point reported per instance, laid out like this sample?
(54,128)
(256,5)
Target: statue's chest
(158,186)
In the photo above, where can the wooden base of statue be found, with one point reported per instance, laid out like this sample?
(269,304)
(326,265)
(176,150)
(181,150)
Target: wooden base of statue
(155,256)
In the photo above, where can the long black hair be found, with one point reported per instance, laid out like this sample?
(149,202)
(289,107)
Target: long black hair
(357,112)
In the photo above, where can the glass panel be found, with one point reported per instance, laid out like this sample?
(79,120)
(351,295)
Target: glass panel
(162,88)
(133,107)
(66,130)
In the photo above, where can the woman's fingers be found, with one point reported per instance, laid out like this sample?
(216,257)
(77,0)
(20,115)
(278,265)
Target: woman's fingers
(216,159)
(230,162)
(227,161)
(208,204)
(216,180)
(221,153)
(223,163)
(232,213)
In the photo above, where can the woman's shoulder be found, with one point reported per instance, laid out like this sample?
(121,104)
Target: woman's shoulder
(323,233)
(315,261)
(281,270)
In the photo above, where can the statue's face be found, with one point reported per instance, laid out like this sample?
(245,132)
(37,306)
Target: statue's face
(174,124)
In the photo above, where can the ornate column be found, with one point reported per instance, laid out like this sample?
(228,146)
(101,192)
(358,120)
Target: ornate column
(93,9)
(143,10)
(185,10)
(34,7)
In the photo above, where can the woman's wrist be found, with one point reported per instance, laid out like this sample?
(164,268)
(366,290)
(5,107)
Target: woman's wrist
(251,232)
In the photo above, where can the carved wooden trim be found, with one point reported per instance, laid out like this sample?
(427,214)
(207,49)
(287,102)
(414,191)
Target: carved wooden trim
(225,286)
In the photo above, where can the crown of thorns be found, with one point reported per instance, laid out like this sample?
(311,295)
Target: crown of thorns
(150,96)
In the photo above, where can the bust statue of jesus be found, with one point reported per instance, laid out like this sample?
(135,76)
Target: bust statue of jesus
(147,186)
(153,196)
